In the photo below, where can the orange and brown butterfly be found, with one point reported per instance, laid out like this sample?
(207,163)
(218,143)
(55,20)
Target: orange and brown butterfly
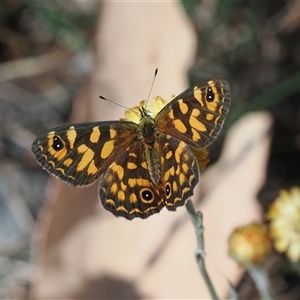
(145,163)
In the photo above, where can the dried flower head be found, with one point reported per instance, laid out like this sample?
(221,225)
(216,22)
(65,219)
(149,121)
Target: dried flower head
(284,217)
(250,244)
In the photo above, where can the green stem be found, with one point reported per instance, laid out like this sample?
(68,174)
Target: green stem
(196,219)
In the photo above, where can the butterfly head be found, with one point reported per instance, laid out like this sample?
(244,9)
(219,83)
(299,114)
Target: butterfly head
(144,113)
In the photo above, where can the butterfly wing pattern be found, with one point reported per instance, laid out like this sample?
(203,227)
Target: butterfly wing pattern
(196,116)
(79,153)
(142,167)
(127,189)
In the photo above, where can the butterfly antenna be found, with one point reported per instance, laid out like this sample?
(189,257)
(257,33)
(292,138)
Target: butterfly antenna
(118,104)
(155,73)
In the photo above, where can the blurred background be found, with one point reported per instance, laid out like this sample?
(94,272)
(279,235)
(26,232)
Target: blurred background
(47,53)
(45,57)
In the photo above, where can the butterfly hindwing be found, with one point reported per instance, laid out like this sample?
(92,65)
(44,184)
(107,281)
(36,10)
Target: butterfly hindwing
(126,188)
(180,171)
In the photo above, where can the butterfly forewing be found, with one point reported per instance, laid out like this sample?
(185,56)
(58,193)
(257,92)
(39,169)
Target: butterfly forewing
(196,116)
(79,153)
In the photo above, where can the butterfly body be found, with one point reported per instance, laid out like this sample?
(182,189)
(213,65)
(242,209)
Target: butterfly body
(144,165)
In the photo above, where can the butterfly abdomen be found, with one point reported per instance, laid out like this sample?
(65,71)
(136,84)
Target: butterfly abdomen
(147,135)
(153,164)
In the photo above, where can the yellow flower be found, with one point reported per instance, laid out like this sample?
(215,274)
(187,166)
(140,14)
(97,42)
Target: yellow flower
(249,244)
(284,217)
(152,109)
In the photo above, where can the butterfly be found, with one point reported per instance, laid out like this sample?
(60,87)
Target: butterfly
(145,165)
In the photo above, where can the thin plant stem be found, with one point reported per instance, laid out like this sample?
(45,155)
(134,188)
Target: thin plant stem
(196,219)
(260,277)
